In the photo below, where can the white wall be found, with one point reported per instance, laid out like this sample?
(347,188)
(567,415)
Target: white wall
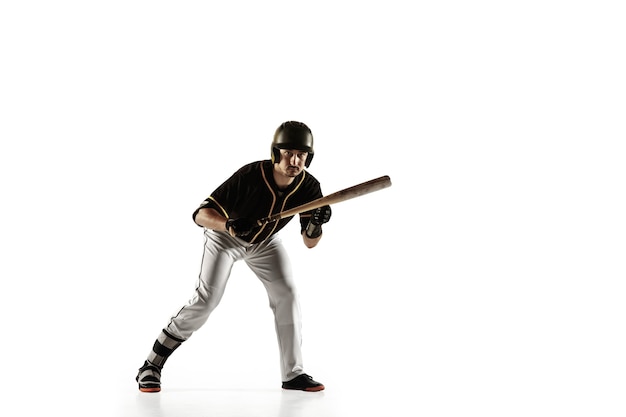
(489,273)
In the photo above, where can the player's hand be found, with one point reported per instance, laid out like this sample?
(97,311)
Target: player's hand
(321,215)
(240,227)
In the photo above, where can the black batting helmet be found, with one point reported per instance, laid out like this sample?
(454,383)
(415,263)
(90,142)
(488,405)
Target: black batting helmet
(293,135)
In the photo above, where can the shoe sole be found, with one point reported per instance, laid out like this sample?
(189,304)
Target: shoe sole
(311,389)
(149,389)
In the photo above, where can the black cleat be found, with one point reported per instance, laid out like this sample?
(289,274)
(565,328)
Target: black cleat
(149,378)
(303,383)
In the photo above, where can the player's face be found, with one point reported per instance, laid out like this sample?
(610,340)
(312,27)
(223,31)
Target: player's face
(291,162)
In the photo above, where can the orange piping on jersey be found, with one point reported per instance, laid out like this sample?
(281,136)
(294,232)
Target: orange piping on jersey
(287,197)
(269,187)
(220,206)
(294,190)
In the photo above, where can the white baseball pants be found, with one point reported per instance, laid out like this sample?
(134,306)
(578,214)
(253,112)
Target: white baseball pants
(270,262)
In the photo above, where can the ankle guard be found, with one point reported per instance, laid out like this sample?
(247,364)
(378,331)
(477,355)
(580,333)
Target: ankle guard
(163,347)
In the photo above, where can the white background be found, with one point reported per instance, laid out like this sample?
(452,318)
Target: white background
(486,280)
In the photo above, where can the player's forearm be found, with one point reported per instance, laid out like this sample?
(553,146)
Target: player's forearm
(310,242)
(211,219)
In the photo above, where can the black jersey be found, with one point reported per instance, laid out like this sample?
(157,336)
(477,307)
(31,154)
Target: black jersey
(251,192)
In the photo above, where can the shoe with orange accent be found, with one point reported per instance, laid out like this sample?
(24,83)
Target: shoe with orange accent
(303,383)
(149,378)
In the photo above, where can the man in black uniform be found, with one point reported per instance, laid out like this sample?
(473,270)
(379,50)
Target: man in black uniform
(228,216)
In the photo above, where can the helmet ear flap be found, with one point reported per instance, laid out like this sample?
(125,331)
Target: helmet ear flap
(275,155)
(309,158)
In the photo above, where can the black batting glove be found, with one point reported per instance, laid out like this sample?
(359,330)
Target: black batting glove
(319,216)
(240,227)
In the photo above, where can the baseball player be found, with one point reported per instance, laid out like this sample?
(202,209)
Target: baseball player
(228,216)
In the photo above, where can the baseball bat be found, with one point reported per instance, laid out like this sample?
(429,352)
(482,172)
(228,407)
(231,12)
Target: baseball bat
(334,198)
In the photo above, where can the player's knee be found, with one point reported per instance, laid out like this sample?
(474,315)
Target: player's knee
(208,297)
